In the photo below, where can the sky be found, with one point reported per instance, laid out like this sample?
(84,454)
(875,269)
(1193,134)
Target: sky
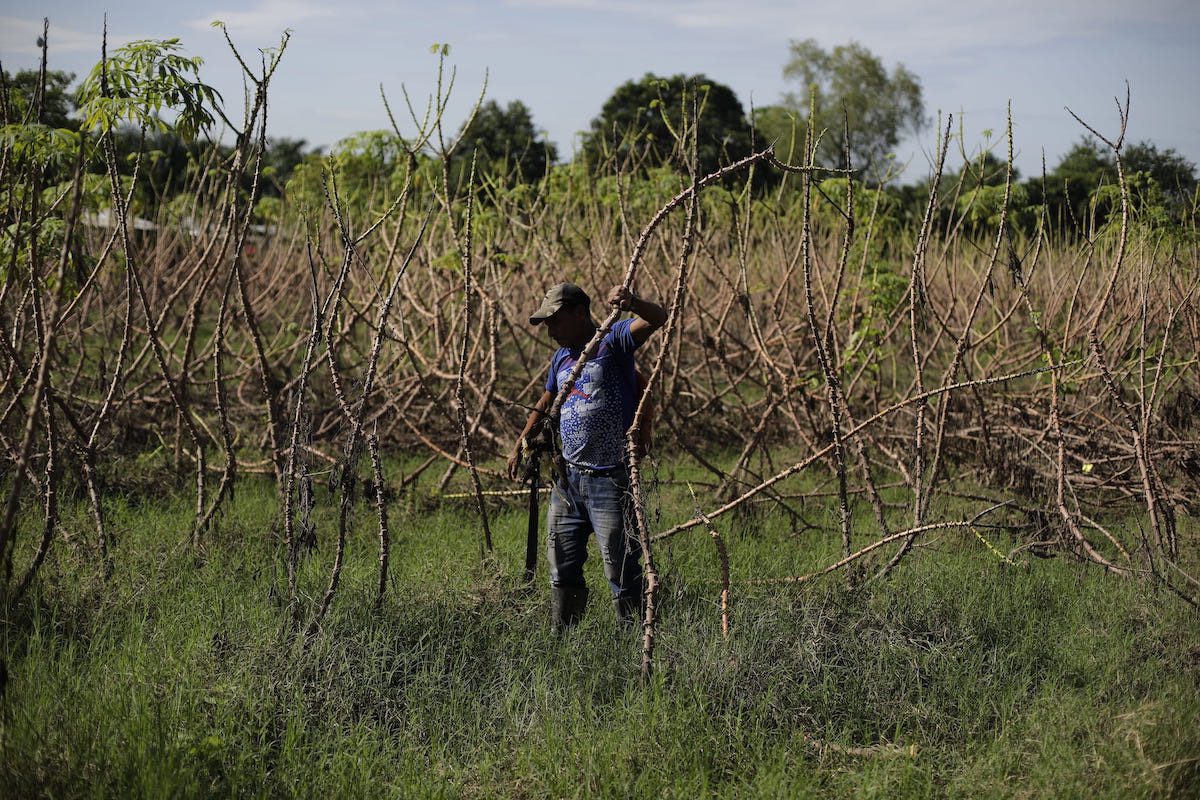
(564,58)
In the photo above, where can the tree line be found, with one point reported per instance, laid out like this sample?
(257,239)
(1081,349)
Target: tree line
(860,109)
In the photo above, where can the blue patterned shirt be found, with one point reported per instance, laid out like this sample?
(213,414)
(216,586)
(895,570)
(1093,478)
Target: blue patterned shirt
(601,405)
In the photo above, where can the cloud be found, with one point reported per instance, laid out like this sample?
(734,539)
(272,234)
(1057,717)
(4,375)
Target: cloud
(569,5)
(20,36)
(269,17)
(903,29)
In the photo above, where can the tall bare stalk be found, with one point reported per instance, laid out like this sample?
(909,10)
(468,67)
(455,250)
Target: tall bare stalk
(916,311)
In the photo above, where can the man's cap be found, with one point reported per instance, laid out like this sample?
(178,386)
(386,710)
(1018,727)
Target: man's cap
(563,294)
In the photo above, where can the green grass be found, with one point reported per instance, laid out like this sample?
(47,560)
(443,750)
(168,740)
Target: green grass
(178,677)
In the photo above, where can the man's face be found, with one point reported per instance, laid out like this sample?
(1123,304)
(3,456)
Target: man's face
(568,326)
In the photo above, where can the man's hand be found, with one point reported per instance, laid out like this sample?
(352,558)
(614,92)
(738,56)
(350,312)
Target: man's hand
(651,316)
(514,461)
(621,298)
(528,434)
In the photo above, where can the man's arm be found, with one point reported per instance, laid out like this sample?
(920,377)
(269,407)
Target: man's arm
(651,316)
(539,411)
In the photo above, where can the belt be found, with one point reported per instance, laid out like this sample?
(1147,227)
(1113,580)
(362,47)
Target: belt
(594,473)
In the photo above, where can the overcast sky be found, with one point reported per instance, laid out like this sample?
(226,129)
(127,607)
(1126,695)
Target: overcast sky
(563,58)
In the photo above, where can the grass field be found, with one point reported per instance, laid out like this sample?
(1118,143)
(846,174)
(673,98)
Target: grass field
(1014,373)
(959,676)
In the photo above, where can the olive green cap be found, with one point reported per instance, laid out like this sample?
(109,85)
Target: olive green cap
(563,294)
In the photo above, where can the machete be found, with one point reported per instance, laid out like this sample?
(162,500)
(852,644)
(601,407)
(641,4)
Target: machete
(532,475)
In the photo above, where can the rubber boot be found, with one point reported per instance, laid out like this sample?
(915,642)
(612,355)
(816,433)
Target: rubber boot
(630,610)
(566,608)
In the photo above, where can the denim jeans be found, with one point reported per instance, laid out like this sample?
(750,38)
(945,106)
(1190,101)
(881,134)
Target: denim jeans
(597,504)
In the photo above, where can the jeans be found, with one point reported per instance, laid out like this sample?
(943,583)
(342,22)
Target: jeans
(597,504)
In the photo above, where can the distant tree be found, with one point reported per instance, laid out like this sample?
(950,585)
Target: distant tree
(505,144)
(976,192)
(47,139)
(1174,174)
(637,120)
(58,104)
(984,169)
(370,168)
(1083,169)
(780,125)
(1162,183)
(167,160)
(280,160)
(881,106)
(1069,186)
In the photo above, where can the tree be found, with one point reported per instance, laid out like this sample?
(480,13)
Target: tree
(1174,174)
(1162,184)
(780,125)
(280,160)
(638,119)
(977,192)
(505,144)
(370,168)
(986,169)
(978,171)
(49,138)
(57,105)
(1071,184)
(881,107)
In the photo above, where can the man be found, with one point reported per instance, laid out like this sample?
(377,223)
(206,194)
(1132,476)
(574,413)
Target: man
(593,423)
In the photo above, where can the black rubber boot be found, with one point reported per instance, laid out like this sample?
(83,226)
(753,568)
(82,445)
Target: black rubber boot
(630,610)
(566,607)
